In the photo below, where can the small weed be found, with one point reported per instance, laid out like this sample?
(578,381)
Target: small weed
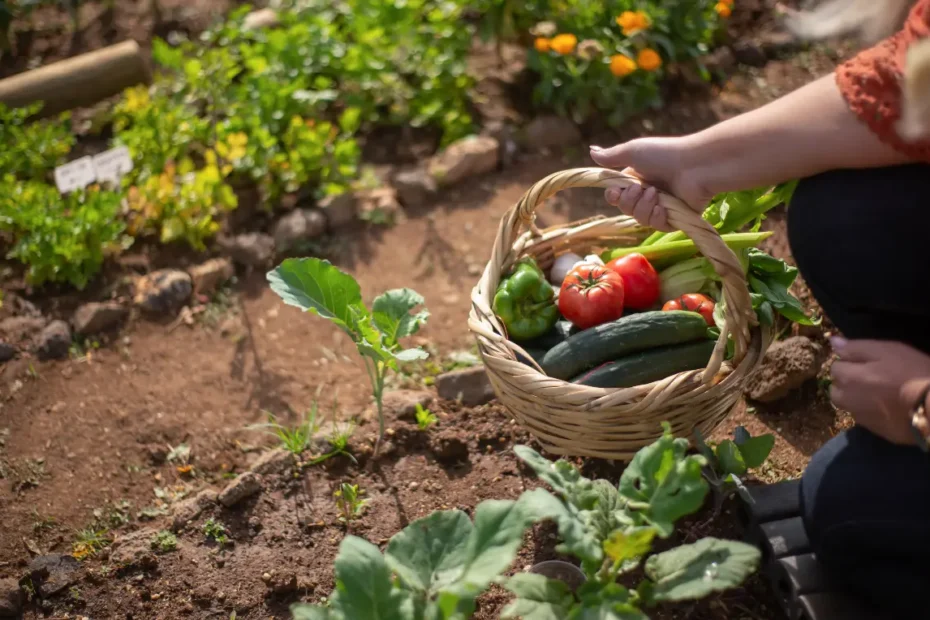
(179,454)
(425,418)
(74,593)
(113,515)
(219,306)
(27,475)
(81,349)
(215,531)
(379,216)
(89,542)
(339,442)
(151,512)
(40,523)
(29,588)
(33,373)
(349,501)
(164,541)
(295,439)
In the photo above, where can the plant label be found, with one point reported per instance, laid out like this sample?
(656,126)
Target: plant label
(77,174)
(112,165)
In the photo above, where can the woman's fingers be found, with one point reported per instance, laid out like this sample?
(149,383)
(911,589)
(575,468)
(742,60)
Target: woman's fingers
(640,203)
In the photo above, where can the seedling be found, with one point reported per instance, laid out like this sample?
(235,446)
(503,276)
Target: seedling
(179,454)
(349,502)
(164,541)
(729,460)
(215,531)
(437,566)
(425,418)
(89,541)
(40,523)
(297,439)
(339,442)
(316,286)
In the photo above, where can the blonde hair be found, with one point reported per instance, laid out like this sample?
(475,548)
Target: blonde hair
(870,20)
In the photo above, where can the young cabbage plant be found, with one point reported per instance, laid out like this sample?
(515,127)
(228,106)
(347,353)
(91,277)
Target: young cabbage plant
(729,460)
(610,529)
(315,285)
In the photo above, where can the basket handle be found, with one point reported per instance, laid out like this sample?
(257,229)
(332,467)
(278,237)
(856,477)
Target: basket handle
(739,313)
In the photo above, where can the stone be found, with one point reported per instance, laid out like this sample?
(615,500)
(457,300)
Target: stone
(134,550)
(470,385)
(403,403)
(786,366)
(94,318)
(341,210)
(298,226)
(282,583)
(53,573)
(163,292)
(207,277)
(380,206)
(549,131)
(7,352)
(275,461)
(415,187)
(448,447)
(54,341)
(464,159)
(21,330)
(11,598)
(252,249)
(189,509)
(245,485)
(260,19)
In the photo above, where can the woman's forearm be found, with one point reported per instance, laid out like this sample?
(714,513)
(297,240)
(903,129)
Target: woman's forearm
(806,132)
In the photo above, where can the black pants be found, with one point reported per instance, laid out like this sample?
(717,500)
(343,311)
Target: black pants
(861,240)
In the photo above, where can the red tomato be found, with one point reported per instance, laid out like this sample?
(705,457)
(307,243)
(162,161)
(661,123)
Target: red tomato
(640,281)
(694,302)
(591,294)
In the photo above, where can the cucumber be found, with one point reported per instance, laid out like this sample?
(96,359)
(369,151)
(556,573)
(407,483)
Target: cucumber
(626,335)
(648,366)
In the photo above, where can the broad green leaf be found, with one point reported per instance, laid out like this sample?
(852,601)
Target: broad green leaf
(577,539)
(630,544)
(350,120)
(730,459)
(663,484)
(560,475)
(705,450)
(756,449)
(430,552)
(605,602)
(494,541)
(411,355)
(304,611)
(391,314)
(740,435)
(695,571)
(538,598)
(315,285)
(363,584)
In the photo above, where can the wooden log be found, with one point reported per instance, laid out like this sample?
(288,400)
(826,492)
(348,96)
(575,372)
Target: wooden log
(80,81)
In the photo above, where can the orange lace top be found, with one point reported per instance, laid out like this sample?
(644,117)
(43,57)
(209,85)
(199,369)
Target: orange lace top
(871,82)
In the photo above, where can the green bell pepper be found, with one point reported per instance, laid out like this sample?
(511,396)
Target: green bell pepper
(525,302)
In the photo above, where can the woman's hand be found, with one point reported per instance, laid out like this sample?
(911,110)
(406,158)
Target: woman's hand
(879,383)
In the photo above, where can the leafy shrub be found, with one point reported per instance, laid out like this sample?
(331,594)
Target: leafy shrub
(59,238)
(30,150)
(610,56)
(436,567)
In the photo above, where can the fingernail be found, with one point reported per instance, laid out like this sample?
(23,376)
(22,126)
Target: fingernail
(838,343)
(596,149)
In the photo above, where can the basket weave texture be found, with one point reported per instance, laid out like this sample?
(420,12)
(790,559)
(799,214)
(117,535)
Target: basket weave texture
(578,420)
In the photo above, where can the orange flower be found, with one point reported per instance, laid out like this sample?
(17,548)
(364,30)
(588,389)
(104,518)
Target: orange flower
(542,44)
(648,60)
(621,65)
(632,22)
(723,9)
(564,43)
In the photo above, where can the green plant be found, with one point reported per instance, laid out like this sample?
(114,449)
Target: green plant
(88,542)
(349,501)
(316,286)
(338,441)
(164,541)
(425,418)
(30,149)
(215,531)
(295,439)
(730,460)
(60,238)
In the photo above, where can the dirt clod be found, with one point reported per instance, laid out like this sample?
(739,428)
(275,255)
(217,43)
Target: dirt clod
(94,318)
(463,159)
(275,461)
(471,386)
(135,550)
(787,366)
(207,276)
(54,341)
(283,583)
(415,187)
(252,249)
(191,508)
(53,573)
(298,226)
(163,292)
(11,598)
(340,210)
(243,486)
(21,330)
(403,403)
(449,447)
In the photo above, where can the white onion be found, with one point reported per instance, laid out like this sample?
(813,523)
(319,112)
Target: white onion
(561,266)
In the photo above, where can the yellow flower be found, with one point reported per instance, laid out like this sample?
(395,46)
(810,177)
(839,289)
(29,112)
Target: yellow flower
(648,60)
(564,43)
(136,99)
(542,45)
(632,22)
(723,9)
(621,65)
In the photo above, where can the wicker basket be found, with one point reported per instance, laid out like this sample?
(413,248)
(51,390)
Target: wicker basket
(579,420)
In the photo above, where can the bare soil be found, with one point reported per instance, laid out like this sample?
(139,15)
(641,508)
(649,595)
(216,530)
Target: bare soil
(85,442)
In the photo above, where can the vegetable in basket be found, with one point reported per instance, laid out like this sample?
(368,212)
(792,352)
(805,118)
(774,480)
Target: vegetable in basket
(693,302)
(663,254)
(640,280)
(770,281)
(525,302)
(591,295)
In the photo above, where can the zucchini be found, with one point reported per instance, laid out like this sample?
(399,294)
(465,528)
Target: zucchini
(648,366)
(626,335)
